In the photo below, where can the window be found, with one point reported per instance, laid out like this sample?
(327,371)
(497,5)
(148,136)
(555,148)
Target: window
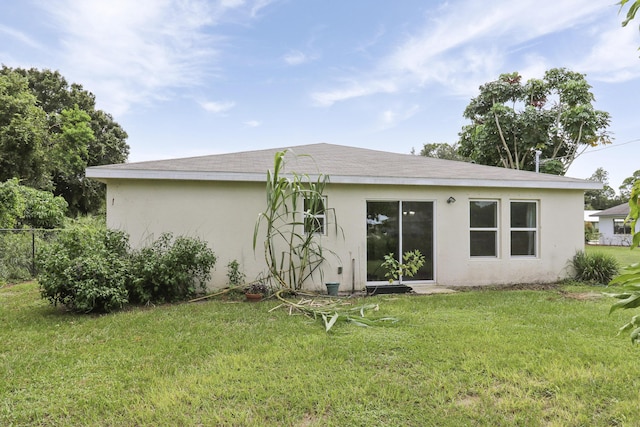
(524,228)
(315,215)
(621,227)
(483,225)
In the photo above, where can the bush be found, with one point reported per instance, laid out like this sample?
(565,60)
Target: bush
(597,267)
(169,272)
(85,269)
(92,269)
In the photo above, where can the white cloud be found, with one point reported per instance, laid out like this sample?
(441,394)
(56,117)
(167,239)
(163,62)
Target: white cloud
(217,107)
(353,90)
(614,57)
(295,57)
(252,123)
(130,52)
(20,36)
(465,44)
(391,117)
(231,4)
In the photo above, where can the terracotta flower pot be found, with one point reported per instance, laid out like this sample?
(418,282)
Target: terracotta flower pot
(253,297)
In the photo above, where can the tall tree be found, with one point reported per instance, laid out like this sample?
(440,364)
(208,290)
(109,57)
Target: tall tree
(600,199)
(23,130)
(76,135)
(510,120)
(627,186)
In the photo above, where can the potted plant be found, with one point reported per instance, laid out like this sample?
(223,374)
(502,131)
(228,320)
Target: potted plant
(256,291)
(395,270)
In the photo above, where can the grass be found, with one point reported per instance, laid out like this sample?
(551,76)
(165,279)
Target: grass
(494,357)
(623,254)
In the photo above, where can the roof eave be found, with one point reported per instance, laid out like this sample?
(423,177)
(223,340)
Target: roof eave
(104,174)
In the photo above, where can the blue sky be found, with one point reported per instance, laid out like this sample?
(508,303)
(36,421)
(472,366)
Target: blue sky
(190,77)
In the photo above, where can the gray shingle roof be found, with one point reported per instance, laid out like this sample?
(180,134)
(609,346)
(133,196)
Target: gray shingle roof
(343,165)
(620,211)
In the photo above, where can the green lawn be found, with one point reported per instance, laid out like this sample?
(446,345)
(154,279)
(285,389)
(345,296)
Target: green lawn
(623,254)
(494,358)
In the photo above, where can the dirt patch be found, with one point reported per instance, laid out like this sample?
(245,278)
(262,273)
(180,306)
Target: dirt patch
(582,296)
(511,287)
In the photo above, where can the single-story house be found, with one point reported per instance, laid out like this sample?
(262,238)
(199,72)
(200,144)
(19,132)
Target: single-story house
(475,224)
(614,230)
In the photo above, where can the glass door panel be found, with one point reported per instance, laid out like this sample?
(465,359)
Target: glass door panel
(397,227)
(383,236)
(417,233)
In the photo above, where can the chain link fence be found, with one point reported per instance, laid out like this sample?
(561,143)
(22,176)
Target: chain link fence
(18,252)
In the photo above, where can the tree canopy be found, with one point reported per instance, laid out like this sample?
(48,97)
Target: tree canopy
(510,120)
(22,206)
(604,198)
(627,186)
(50,131)
(442,151)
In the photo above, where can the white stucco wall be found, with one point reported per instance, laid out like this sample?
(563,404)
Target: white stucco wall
(224,214)
(608,238)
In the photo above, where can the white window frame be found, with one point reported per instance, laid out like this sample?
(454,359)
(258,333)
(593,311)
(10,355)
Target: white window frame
(495,230)
(535,229)
(319,217)
(621,224)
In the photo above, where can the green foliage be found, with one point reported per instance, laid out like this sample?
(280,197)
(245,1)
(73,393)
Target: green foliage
(629,279)
(235,277)
(84,270)
(604,198)
(170,270)
(442,151)
(596,267)
(23,130)
(631,13)
(511,120)
(590,232)
(286,224)
(92,269)
(16,256)
(411,263)
(627,186)
(50,132)
(25,206)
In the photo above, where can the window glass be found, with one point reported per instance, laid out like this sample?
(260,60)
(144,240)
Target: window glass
(483,214)
(483,224)
(483,243)
(620,227)
(524,228)
(314,215)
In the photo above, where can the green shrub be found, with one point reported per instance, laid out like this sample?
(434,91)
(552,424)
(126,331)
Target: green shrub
(86,270)
(170,271)
(92,269)
(235,277)
(596,267)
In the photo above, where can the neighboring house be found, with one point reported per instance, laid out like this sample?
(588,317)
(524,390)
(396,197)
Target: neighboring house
(592,217)
(476,225)
(614,231)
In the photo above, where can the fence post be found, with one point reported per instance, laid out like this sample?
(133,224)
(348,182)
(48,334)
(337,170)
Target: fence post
(33,252)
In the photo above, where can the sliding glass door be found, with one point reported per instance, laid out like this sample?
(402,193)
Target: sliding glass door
(397,227)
